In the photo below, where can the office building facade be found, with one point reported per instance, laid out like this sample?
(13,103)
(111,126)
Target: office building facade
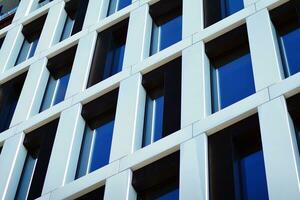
(150,99)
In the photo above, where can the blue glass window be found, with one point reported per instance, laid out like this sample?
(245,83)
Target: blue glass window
(27,50)
(27,173)
(237,169)
(290,50)
(153,125)
(232,82)
(166,34)
(68,27)
(9,96)
(114,60)
(230,7)
(252,177)
(55,91)
(116,5)
(95,148)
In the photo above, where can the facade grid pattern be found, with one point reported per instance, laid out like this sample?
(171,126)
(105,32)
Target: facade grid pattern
(281,156)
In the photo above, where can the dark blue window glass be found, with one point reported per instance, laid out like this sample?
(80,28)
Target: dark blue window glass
(102,144)
(123,4)
(153,125)
(232,82)
(114,60)
(116,5)
(171,32)
(33,47)
(7,113)
(254,185)
(290,50)
(68,27)
(166,34)
(230,7)
(170,195)
(62,88)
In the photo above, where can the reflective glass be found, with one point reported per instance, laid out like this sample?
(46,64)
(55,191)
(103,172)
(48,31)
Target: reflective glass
(101,147)
(49,93)
(115,5)
(27,173)
(33,47)
(170,32)
(230,7)
(153,124)
(7,113)
(171,195)
(234,81)
(61,88)
(291,50)
(123,4)
(114,60)
(253,175)
(67,28)
(24,52)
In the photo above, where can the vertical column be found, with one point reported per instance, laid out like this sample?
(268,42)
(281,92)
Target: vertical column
(280,150)
(63,161)
(11,47)
(32,93)
(194,169)
(119,187)
(138,36)
(195,96)
(11,165)
(53,27)
(264,50)
(23,9)
(96,10)
(127,135)
(81,65)
(192,13)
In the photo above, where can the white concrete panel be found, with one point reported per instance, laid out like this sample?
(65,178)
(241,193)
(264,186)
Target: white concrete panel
(138,36)
(23,9)
(11,47)
(66,148)
(193,18)
(11,164)
(122,184)
(81,65)
(32,92)
(129,117)
(265,56)
(280,150)
(194,169)
(195,98)
(53,27)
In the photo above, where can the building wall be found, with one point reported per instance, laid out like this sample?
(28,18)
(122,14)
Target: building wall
(197,122)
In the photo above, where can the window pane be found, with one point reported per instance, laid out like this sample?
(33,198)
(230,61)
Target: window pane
(291,51)
(235,81)
(155,39)
(101,147)
(171,32)
(159,115)
(85,152)
(33,47)
(230,7)
(123,4)
(62,88)
(24,52)
(171,195)
(114,60)
(49,94)
(148,123)
(254,185)
(67,28)
(112,7)
(27,173)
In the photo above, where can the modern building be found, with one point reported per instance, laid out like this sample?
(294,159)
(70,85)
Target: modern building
(150,99)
